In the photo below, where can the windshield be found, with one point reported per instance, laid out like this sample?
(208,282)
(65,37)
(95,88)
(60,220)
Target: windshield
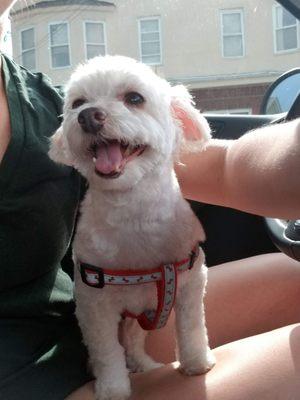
(226,52)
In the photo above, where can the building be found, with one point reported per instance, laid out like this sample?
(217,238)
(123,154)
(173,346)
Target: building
(212,47)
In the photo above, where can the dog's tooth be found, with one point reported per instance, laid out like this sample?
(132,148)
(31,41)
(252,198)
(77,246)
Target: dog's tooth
(94,160)
(127,151)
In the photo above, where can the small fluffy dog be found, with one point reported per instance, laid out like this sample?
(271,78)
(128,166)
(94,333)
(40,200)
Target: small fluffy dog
(136,245)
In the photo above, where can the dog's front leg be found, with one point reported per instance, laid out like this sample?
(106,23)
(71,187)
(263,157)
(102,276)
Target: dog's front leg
(133,340)
(193,350)
(99,325)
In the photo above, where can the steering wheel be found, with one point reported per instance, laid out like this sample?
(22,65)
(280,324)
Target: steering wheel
(286,234)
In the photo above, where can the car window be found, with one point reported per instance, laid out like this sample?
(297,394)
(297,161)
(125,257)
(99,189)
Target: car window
(226,51)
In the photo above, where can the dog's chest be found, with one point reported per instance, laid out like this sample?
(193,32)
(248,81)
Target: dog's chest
(128,246)
(136,234)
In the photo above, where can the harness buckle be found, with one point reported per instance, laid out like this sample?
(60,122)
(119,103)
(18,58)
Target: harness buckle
(194,255)
(92,276)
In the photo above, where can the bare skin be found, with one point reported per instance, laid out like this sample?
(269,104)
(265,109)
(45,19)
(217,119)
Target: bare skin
(258,173)
(5,121)
(5,5)
(237,374)
(244,298)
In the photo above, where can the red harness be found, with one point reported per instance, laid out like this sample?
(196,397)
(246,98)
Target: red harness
(165,277)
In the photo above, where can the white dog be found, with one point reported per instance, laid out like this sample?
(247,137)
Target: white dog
(137,238)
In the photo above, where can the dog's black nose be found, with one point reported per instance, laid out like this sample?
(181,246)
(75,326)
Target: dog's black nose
(92,119)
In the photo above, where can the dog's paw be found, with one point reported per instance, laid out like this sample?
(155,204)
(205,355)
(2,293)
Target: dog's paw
(112,395)
(198,365)
(143,364)
(114,391)
(151,365)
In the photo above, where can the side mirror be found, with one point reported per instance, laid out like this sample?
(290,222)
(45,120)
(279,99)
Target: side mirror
(282,94)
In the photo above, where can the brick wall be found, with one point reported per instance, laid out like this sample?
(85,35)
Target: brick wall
(230,97)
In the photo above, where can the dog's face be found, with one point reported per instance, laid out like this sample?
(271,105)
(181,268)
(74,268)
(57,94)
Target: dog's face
(121,122)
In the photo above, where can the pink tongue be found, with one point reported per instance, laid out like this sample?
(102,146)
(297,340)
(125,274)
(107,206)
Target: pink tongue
(108,158)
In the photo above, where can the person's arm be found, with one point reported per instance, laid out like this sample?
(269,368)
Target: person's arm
(258,173)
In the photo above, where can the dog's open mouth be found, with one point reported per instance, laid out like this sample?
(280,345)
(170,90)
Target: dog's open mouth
(111,156)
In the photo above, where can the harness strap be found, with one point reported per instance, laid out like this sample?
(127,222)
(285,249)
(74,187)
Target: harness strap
(164,276)
(166,294)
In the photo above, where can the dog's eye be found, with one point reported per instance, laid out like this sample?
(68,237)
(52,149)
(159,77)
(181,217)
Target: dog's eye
(134,98)
(78,102)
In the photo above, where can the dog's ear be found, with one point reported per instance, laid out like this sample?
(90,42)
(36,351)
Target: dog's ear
(194,127)
(58,151)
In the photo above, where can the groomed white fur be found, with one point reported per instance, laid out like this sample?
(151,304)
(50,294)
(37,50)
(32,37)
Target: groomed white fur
(139,220)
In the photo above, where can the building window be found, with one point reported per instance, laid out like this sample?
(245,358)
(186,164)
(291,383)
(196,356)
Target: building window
(94,39)
(28,48)
(150,41)
(232,33)
(59,45)
(286,30)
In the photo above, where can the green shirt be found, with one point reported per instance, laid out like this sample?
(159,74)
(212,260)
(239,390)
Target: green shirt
(41,356)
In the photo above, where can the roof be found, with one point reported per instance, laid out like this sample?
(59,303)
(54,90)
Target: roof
(58,3)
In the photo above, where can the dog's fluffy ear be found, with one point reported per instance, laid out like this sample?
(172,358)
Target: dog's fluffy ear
(57,151)
(194,127)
